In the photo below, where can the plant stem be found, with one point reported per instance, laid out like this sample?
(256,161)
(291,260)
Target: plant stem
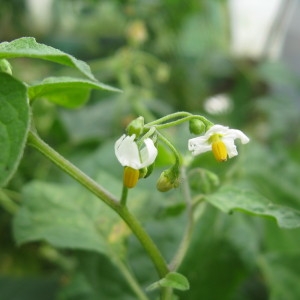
(35,141)
(124,195)
(169,117)
(184,244)
(153,252)
(131,279)
(182,116)
(145,240)
(182,120)
(172,148)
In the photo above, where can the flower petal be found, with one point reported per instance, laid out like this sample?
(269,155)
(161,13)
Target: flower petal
(237,134)
(199,145)
(230,146)
(217,129)
(127,152)
(148,153)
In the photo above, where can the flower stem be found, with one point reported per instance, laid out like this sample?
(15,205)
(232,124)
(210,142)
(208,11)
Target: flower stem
(153,252)
(173,149)
(181,116)
(169,117)
(124,195)
(185,119)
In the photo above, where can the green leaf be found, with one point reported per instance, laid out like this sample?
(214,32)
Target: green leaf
(281,272)
(66,91)
(173,280)
(28,47)
(229,199)
(14,123)
(62,215)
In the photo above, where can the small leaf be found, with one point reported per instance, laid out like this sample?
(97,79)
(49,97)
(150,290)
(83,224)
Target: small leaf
(28,47)
(230,198)
(172,280)
(66,91)
(14,123)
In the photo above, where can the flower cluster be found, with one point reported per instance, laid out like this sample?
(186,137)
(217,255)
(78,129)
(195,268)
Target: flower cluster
(135,156)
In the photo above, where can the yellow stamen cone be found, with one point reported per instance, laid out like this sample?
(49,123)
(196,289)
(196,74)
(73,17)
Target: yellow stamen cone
(130,177)
(219,150)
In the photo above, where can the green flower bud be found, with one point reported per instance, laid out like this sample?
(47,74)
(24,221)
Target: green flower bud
(136,127)
(5,66)
(196,126)
(203,181)
(168,179)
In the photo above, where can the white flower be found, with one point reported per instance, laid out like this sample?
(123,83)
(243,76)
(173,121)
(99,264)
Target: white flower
(220,140)
(129,155)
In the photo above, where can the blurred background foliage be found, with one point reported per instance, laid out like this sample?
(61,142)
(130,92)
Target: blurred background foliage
(166,56)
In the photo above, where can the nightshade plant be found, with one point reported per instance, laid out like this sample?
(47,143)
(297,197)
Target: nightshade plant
(136,150)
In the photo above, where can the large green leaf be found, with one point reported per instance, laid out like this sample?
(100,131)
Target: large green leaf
(28,47)
(14,122)
(229,199)
(66,216)
(66,91)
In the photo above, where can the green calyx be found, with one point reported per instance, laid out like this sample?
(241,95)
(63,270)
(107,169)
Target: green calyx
(136,127)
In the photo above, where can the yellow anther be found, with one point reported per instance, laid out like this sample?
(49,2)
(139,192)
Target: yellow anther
(130,177)
(219,150)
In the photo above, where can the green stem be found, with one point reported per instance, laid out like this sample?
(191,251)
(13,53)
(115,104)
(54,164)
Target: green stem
(146,241)
(182,117)
(173,149)
(185,242)
(35,141)
(124,195)
(185,119)
(153,252)
(169,117)
(131,280)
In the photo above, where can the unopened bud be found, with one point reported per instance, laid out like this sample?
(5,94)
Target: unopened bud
(196,126)
(168,179)
(136,127)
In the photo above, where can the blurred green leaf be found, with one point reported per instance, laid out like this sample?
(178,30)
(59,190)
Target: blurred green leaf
(28,47)
(282,275)
(66,91)
(212,265)
(94,121)
(28,288)
(229,199)
(14,122)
